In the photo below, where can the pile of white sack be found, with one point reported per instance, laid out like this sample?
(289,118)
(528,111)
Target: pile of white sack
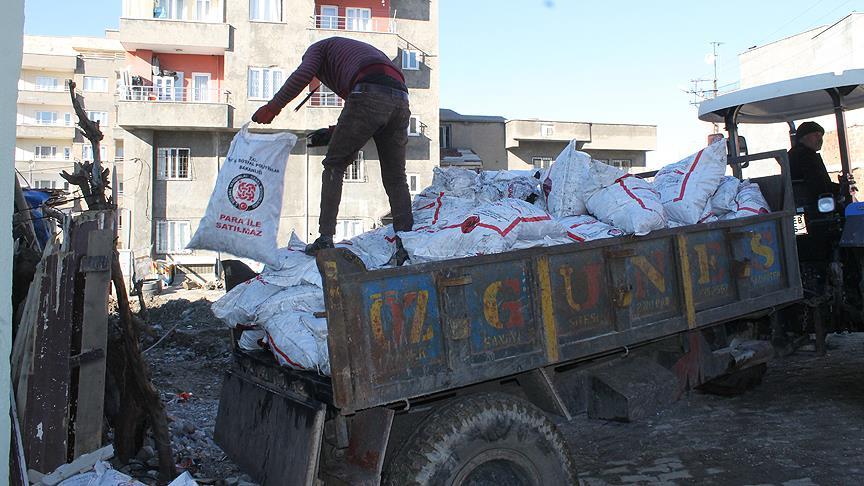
(464,213)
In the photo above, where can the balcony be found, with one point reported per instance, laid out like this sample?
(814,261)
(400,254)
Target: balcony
(55,97)
(56,131)
(518,131)
(368,30)
(156,107)
(207,37)
(49,62)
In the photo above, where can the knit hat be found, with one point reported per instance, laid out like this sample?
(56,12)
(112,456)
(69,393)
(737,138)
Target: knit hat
(807,128)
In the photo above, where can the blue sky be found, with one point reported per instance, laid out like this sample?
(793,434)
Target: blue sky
(613,61)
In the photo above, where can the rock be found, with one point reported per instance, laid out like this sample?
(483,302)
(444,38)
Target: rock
(153,462)
(188,428)
(231,481)
(145,453)
(153,474)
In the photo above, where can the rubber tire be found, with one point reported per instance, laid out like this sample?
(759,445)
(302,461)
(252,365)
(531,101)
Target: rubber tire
(491,426)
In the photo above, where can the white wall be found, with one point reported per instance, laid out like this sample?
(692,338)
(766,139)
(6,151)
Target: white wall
(11,38)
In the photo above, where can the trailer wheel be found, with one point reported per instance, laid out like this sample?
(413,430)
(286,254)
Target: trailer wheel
(485,439)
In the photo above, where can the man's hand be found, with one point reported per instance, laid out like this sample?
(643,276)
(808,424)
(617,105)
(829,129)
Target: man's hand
(320,137)
(265,114)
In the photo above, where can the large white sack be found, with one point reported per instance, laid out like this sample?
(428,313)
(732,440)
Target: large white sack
(299,340)
(374,247)
(452,181)
(572,179)
(587,228)
(686,185)
(300,298)
(722,201)
(101,475)
(748,202)
(292,266)
(490,228)
(251,339)
(240,304)
(242,217)
(631,204)
(504,184)
(440,210)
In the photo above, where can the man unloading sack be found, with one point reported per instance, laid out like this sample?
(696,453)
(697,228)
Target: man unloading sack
(376,106)
(806,164)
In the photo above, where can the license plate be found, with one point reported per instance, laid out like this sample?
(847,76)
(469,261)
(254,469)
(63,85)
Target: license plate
(800,225)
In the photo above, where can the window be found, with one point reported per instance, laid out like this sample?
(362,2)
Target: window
(410,60)
(329,18)
(444,132)
(541,162)
(413,184)
(169,9)
(621,163)
(547,130)
(118,153)
(172,236)
(202,9)
(87,152)
(266,10)
(67,119)
(326,97)
(46,117)
(173,163)
(347,229)
(264,82)
(97,84)
(201,87)
(358,19)
(100,117)
(356,171)
(45,184)
(47,83)
(67,153)
(45,152)
(414,127)
(119,220)
(120,185)
(166,88)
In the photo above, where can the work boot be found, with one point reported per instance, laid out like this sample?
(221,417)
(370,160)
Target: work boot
(323,242)
(401,255)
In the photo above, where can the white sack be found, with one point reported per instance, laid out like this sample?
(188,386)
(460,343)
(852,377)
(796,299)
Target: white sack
(452,181)
(722,201)
(490,228)
(300,298)
(439,210)
(748,202)
(686,185)
(242,217)
(631,204)
(240,304)
(504,184)
(251,340)
(299,340)
(373,247)
(572,179)
(101,475)
(587,228)
(292,266)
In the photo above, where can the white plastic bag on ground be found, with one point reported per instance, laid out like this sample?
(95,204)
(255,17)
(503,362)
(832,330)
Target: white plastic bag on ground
(299,340)
(292,266)
(686,185)
(587,228)
(452,181)
(240,304)
(490,228)
(631,204)
(101,475)
(748,202)
(242,217)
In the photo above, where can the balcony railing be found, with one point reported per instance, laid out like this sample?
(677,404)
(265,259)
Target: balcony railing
(355,24)
(160,94)
(44,123)
(325,100)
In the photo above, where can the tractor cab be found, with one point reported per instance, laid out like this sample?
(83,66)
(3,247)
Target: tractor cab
(829,226)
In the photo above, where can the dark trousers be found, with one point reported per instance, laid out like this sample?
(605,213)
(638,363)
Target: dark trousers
(383,117)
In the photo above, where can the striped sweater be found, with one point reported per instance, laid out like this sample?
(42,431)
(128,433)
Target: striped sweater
(336,62)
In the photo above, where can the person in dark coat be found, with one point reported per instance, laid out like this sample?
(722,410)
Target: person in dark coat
(806,164)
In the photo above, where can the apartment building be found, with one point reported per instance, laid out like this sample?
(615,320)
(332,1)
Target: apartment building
(47,141)
(495,143)
(196,71)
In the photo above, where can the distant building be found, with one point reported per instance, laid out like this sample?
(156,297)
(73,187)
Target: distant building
(495,143)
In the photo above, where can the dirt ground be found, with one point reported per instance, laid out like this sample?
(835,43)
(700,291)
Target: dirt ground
(804,425)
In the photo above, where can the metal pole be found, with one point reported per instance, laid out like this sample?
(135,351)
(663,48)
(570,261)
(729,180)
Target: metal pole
(840,117)
(732,142)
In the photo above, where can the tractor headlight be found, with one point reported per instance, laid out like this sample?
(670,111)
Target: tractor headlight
(826,204)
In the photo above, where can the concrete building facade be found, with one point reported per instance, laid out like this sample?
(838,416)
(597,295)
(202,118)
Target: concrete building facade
(47,141)
(501,144)
(194,74)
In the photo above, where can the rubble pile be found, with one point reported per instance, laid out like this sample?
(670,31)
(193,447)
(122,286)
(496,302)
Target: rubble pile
(464,213)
